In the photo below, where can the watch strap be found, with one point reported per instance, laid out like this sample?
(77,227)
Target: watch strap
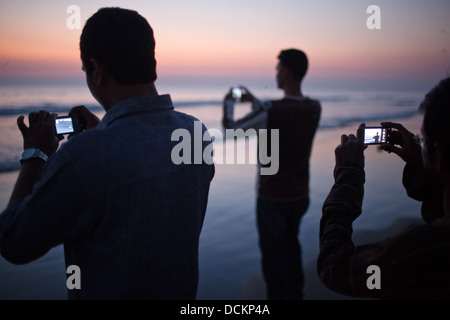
(33,153)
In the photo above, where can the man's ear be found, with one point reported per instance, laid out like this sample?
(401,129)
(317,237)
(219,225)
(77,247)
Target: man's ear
(98,72)
(284,72)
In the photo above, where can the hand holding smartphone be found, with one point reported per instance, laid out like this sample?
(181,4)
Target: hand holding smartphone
(241,94)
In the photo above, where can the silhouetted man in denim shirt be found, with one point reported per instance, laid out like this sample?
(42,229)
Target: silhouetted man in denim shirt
(128,217)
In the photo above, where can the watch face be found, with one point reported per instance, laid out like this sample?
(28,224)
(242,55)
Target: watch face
(28,153)
(33,153)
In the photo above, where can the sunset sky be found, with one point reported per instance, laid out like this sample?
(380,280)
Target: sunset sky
(214,38)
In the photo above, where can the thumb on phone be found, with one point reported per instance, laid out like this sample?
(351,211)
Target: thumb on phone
(86,118)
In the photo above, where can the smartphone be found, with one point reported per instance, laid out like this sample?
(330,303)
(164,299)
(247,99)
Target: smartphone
(377,135)
(236,93)
(67,125)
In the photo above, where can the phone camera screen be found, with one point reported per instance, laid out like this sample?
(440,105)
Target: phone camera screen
(375,135)
(64,125)
(236,93)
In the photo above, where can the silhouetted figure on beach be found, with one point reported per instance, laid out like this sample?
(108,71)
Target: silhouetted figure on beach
(376,138)
(413,264)
(283,198)
(128,217)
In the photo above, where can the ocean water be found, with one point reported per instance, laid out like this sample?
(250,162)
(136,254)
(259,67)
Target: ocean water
(341,106)
(229,255)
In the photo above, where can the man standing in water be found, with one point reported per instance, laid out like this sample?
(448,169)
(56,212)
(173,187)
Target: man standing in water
(283,198)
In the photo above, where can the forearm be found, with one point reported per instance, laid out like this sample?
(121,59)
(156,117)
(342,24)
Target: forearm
(348,189)
(341,265)
(256,119)
(228,113)
(336,249)
(336,263)
(51,215)
(30,173)
(40,135)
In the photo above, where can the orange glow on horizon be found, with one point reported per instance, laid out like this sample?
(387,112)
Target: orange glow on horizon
(214,39)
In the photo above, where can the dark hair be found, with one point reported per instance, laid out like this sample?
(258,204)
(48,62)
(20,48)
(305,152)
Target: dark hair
(295,60)
(123,41)
(436,122)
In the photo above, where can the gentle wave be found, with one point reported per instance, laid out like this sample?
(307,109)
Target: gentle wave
(7,110)
(6,167)
(332,123)
(339,110)
(13,111)
(12,164)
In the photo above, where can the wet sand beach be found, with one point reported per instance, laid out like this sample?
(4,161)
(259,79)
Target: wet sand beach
(229,253)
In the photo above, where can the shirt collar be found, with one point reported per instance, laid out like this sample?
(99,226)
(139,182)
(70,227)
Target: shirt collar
(301,98)
(137,104)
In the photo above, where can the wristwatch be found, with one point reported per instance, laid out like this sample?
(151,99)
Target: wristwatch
(33,153)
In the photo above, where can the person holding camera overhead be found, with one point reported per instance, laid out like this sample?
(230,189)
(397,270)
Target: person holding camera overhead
(283,198)
(414,263)
(128,217)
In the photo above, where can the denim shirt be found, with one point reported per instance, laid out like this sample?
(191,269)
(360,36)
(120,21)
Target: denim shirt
(128,217)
